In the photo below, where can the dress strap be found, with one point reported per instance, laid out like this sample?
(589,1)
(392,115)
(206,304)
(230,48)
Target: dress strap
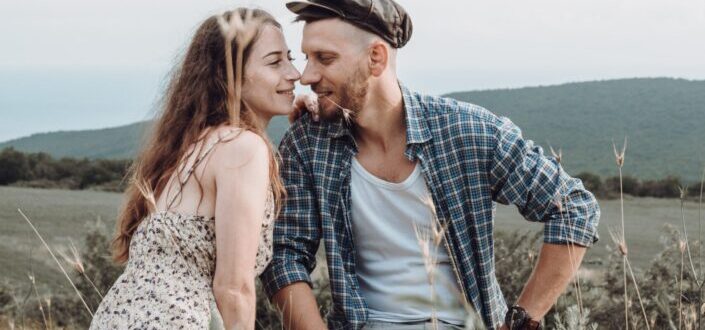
(198,161)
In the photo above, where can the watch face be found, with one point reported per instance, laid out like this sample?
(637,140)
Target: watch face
(516,318)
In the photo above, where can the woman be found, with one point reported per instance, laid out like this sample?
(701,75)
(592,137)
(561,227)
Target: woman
(196,225)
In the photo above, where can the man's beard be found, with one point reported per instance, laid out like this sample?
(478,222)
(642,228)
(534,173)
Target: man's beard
(351,99)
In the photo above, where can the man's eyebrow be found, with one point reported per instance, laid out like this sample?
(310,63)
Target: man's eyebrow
(325,52)
(317,49)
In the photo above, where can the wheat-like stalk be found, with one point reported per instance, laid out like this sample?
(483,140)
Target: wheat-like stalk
(429,241)
(47,300)
(39,300)
(77,264)
(683,192)
(557,155)
(51,252)
(691,318)
(638,294)
(559,201)
(348,115)
(619,158)
(429,255)
(700,250)
(621,242)
(682,247)
(244,30)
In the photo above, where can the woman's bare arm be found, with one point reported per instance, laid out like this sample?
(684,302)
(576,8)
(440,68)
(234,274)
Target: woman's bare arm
(242,179)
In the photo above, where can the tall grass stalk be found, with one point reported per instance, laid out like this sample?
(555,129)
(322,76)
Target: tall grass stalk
(683,193)
(244,30)
(76,262)
(621,241)
(700,248)
(574,268)
(638,294)
(39,300)
(51,252)
(347,113)
(429,241)
(48,302)
(429,254)
(681,247)
(571,246)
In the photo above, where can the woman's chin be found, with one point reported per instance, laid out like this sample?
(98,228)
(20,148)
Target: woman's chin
(282,111)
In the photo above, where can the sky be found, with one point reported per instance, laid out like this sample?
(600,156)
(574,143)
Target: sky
(73,64)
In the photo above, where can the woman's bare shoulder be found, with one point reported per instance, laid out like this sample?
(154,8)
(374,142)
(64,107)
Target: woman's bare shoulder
(238,146)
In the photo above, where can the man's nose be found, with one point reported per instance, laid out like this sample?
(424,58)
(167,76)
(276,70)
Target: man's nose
(310,75)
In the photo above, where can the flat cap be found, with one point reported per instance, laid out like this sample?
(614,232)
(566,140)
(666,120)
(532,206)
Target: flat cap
(384,18)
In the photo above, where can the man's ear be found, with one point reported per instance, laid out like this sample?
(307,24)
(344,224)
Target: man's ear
(379,58)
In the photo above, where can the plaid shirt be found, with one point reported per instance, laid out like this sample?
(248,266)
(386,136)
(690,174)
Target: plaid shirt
(470,159)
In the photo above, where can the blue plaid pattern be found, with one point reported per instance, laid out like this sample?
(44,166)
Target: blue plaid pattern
(470,159)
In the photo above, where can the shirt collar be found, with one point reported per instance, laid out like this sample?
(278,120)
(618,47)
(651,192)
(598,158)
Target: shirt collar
(416,129)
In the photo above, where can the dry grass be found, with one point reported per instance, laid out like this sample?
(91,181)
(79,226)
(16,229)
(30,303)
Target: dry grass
(75,261)
(244,30)
(619,239)
(429,242)
(73,285)
(560,202)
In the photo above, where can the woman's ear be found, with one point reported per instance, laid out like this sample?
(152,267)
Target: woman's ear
(379,58)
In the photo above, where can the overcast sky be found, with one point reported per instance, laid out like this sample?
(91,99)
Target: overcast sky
(88,64)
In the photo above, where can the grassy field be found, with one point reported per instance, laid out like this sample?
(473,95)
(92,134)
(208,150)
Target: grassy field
(62,215)
(645,220)
(59,215)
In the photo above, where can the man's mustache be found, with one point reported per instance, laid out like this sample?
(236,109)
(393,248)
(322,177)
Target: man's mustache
(320,89)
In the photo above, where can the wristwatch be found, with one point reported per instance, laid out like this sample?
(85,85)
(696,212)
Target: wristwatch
(518,319)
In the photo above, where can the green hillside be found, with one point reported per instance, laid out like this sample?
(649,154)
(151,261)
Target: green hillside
(113,143)
(663,119)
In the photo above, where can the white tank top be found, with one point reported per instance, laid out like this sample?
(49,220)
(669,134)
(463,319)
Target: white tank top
(389,262)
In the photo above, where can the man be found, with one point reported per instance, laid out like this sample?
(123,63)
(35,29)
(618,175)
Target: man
(388,171)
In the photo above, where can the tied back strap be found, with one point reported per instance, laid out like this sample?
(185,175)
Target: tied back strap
(198,160)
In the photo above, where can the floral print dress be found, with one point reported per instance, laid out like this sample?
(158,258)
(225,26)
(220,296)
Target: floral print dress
(167,283)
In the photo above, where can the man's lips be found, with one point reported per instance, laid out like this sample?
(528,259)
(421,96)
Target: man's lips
(323,94)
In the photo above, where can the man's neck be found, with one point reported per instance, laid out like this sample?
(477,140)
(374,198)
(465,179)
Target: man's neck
(382,121)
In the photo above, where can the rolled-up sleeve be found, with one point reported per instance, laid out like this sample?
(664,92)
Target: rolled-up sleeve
(296,230)
(522,175)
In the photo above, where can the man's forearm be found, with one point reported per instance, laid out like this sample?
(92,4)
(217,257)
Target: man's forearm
(299,308)
(556,266)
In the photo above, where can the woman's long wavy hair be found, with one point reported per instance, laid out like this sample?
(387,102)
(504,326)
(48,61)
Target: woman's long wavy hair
(198,99)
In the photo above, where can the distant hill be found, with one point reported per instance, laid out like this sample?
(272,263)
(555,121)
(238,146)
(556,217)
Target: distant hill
(116,142)
(663,118)
(113,143)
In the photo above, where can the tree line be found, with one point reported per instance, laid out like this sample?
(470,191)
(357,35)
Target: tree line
(41,170)
(668,187)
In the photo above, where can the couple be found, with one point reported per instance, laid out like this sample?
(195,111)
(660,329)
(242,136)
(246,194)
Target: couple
(371,169)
